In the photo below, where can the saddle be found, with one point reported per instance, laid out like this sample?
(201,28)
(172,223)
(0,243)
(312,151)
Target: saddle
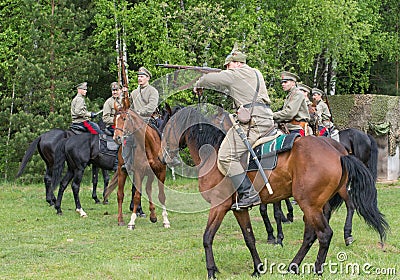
(107,145)
(267,152)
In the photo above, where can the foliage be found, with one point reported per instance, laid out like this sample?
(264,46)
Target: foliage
(46,48)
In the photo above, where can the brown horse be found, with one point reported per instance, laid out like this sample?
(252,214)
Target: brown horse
(146,163)
(294,175)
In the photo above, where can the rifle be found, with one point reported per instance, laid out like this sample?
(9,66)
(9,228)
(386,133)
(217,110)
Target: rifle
(185,67)
(327,104)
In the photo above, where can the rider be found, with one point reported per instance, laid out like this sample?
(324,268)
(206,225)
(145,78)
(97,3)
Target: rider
(306,90)
(294,114)
(108,107)
(80,115)
(240,82)
(144,101)
(325,125)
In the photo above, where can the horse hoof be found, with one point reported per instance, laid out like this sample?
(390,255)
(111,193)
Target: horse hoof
(271,241)
(121,224)
(141,215)
(59,213)
(131,227)
(349,240)
(105,202)
(153,220)
(167,225)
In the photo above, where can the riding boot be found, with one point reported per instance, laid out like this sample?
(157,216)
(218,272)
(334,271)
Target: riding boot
(248,196)
(128,154)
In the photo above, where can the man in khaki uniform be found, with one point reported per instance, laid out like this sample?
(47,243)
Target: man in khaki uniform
(80,115)
(323,113)
(306,90)
(240,82)
(108,107)
(294,113)
(144,101)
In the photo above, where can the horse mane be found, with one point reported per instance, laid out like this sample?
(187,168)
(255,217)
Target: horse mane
(199,128)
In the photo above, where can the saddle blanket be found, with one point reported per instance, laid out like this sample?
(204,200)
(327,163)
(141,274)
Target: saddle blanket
(267,153)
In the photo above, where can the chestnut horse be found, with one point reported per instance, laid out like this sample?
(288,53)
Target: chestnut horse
(146,163)
(295,175)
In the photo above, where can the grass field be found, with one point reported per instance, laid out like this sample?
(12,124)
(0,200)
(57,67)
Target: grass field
(35,243)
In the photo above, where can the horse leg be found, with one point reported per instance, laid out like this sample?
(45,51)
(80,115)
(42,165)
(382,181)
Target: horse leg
(139,209)
(152,208)
(290,211)
(76,183)
(50,198)
(63,185)
(161,198)
(316,226)
(120,194)
(278,215)
(95,180)
(136,198)
(267,224)
(106,180)
(215,217)
(243,218)
(348,225)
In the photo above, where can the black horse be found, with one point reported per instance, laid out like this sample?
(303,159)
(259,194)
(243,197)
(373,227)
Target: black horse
(79,151)
(46,145)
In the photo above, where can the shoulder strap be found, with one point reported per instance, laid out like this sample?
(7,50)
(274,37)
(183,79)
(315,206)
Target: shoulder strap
(252,103)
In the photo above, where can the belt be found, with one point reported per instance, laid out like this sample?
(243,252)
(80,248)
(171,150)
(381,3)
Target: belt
(301,123)
(256,104)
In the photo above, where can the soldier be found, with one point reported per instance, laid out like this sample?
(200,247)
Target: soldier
(241,82)
(324,123)
(144,101)
(108,107)
(294,114)
(80,115)
(306,90)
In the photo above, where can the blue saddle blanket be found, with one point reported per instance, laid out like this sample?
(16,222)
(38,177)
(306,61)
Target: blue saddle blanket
(267,153)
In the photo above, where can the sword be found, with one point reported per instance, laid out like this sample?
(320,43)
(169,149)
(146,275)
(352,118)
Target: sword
(99,112)
(243,136)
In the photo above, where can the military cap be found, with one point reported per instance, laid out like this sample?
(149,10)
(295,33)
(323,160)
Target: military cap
(144,71)
(82,86)
(304,88)
(235,57)
(114,85)
(287,76)
(317,91)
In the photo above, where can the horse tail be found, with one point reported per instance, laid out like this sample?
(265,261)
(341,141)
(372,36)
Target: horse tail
(362,191)
(59,162)
(373,158)
(28,155)
(111,186)
(335,202)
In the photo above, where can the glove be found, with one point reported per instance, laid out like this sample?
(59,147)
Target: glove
(93,115)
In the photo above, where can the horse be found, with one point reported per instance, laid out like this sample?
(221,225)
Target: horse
(289,178)
(78,151)
(223,122)
(146,163)
(360,144)
(46,146)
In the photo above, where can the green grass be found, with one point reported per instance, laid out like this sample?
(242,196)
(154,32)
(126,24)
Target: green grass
(35,243)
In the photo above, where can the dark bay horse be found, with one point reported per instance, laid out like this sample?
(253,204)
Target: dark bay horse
(289,178)
(46,145)
(78,151)
(145,163)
